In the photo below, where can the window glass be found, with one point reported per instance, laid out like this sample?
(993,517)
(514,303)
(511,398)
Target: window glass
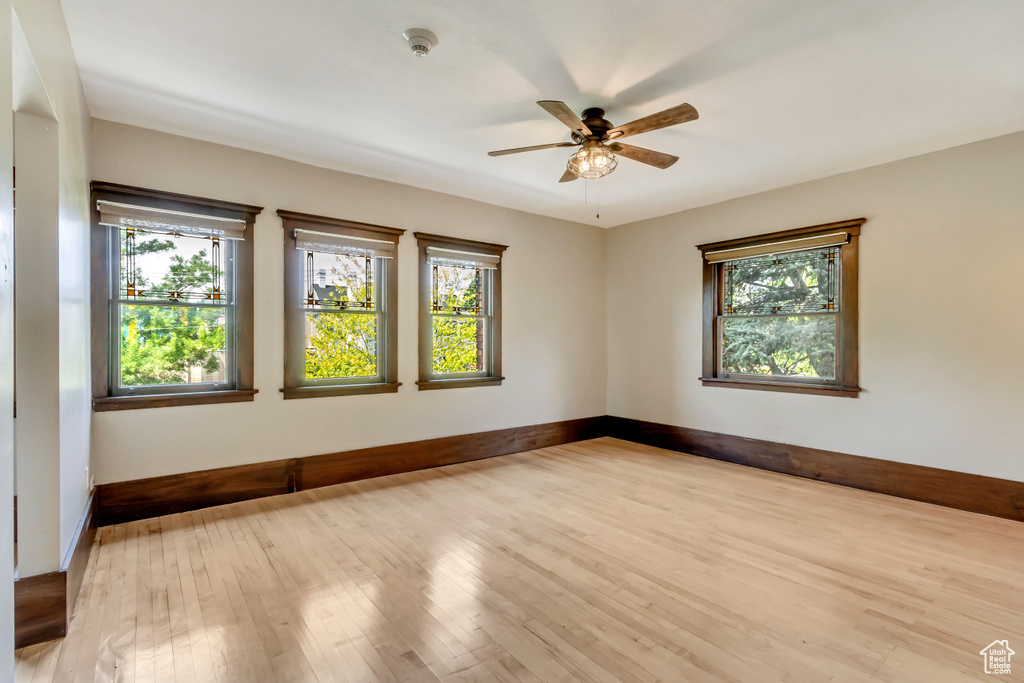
(173,310)
(341,316)
(459,345)
(172,345)
(760,335)
(459,319)
(790,346)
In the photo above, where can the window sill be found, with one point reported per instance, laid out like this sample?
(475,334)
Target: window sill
(430,384)
(101,405)
(785,387)
(340,390)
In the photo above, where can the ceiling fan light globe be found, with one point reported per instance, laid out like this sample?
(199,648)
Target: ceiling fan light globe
(592,161)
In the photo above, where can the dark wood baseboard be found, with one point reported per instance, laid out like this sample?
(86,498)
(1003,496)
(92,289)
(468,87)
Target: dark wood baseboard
(77,559)
(971,492)
(144,498)
(366,463)
(127,501)
(44,603)
(40,608)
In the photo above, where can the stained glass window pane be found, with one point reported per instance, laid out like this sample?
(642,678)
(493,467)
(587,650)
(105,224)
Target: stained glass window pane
(800,282)
(172,345)
(165,267)
(338,282)
(787,346)
(457,289)
(459,345)
(340,345)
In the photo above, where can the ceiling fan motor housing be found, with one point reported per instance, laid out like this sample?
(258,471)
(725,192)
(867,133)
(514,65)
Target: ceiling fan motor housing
(596,122)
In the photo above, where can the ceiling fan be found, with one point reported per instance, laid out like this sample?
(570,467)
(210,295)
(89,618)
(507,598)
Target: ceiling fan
(598,139)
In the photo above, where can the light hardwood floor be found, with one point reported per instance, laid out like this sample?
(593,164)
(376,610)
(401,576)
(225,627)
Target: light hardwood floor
(596,561)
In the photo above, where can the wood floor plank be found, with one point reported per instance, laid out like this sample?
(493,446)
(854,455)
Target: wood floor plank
(597,561)
(28,663)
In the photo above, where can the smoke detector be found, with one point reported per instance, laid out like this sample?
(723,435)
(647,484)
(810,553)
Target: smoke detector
(420,40)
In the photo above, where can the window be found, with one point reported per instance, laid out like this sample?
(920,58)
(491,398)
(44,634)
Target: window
(780,311)
(172,299)
(460,312)
(341,307)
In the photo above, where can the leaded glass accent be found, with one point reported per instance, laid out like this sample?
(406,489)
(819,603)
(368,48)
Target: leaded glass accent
(798,282)
(457,288)
(338,281)
(171,267)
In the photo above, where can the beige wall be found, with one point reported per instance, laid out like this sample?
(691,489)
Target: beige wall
(941,329)
(937,341)
(61,97)
(554,316)
(37,317)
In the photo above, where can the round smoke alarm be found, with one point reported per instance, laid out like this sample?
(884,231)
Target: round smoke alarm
(420,40)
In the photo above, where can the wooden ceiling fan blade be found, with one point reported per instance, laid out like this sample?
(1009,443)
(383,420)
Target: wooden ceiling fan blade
(568,176)
(644,156)
(567,116)
(663,119)
(517,150)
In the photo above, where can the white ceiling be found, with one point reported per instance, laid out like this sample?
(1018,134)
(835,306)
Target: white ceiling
(787,90)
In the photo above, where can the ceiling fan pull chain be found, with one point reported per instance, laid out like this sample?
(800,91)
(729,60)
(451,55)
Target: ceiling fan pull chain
(597,197)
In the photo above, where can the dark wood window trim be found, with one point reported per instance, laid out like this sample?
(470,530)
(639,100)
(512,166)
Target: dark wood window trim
(847,371)
(430,384)
(102,405)
(340,390)
(294,373)
(243,389)
(427,380)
